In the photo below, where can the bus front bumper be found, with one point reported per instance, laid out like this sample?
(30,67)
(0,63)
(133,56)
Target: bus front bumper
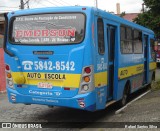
(81,101)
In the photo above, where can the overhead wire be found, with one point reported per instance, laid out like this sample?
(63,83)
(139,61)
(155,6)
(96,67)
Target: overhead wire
(8,7)
(39,2)
(65,2)
(51,3)
(34,2)
(5,10)
(58,2)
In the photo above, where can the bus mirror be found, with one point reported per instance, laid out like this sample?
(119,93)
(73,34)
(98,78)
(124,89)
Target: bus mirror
(156,46)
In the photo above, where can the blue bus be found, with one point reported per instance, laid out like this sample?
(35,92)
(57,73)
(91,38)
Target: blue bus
(76,57)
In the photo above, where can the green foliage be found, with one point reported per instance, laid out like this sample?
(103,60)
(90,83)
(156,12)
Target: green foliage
(156,86)
(151,17)
(152,5)
(123,14)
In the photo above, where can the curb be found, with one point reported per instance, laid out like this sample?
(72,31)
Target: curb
(137,98)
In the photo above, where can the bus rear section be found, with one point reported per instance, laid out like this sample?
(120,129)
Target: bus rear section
(158,54)
(47,65)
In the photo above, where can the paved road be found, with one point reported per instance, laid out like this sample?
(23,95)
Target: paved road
(146,109)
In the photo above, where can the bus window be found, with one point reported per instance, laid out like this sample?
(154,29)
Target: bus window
(138,48)
(48,29)
(100,26)
(126,40)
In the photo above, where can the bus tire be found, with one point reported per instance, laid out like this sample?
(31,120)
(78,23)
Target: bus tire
(150,86)
(51,107)
(124,99)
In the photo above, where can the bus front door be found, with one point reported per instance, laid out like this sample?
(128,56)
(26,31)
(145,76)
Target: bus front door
(111,56)
(146,64)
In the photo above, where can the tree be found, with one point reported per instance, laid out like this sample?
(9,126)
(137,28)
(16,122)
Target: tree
(123,14)
(150,18)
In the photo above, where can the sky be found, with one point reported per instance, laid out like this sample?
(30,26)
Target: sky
(129,6)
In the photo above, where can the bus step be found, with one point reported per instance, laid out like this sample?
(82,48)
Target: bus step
(110,103)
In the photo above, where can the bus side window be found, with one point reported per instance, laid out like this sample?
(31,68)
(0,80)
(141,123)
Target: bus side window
(100,31)
(138,48)
(126,40)
(153,53)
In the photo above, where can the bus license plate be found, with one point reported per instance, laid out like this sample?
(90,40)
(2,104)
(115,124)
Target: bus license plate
(45,85)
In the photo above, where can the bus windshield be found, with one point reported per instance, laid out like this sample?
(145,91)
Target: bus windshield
(41,29)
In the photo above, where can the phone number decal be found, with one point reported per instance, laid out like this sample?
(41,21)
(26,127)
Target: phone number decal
(49,65)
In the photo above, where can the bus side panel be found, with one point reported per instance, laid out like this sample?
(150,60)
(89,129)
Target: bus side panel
(100,70)
(152,71)
(136,83)
(101,97)
(130,70)
(120,88)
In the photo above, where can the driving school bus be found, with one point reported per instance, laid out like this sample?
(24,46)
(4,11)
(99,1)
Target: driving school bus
(76,57)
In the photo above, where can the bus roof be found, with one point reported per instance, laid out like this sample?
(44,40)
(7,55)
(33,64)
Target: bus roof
(123,21)
(102,13)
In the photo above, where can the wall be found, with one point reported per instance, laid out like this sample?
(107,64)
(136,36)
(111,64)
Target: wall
(2,66)
(2,72)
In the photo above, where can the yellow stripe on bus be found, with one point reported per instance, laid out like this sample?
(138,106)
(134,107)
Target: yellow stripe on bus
(101,79)
(71,80)
(152,66)
(130,71)
(134,70)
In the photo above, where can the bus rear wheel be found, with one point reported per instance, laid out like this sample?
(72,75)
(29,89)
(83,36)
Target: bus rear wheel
(124,99)
(151,85)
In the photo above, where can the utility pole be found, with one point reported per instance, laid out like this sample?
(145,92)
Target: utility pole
(21,5)
(143,8)
(27,2)
(96,3)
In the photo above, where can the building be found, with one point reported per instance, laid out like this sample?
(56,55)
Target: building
(130,16)
(1,28)
(127,16)
(2,66)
